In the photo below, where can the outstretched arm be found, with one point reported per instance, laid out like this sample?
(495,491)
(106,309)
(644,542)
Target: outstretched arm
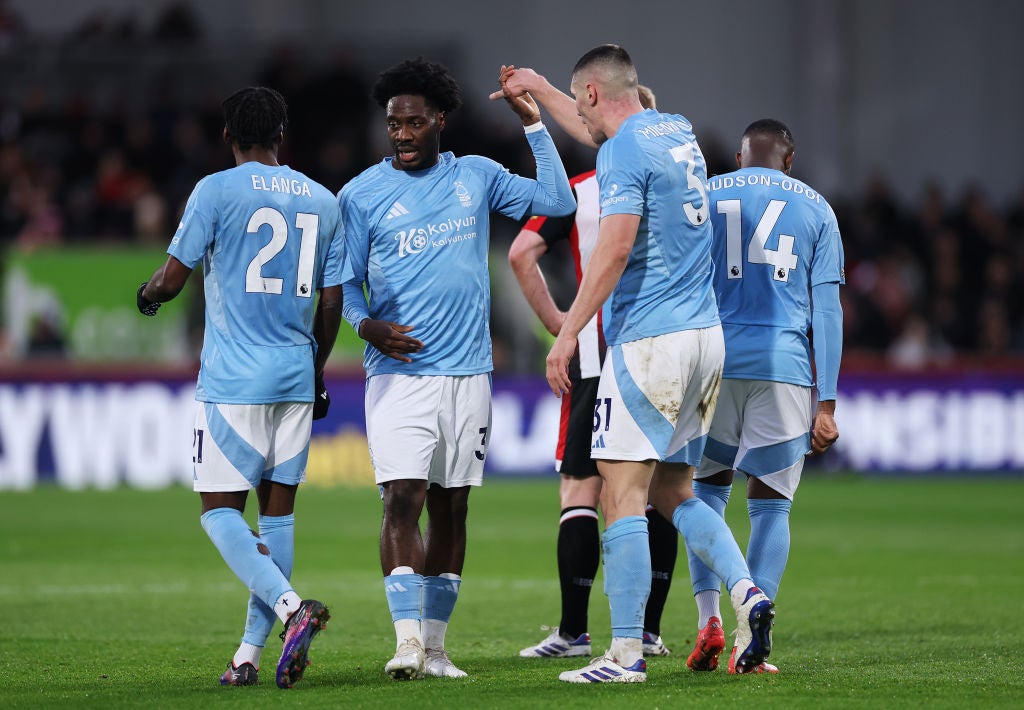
(553,197)
(554,194)
(516,82)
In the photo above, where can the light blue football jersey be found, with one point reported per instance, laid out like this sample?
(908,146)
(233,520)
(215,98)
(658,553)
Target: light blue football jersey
(775,238)
(419,241)
(653,167)
(268,238)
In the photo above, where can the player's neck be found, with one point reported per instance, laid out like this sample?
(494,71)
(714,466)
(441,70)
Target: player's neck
(617,115)
(257,155)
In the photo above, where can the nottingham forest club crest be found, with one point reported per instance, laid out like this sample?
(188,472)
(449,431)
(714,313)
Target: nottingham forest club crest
(463,194)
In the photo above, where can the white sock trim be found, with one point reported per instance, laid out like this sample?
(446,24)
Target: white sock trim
(433,633)
(707,606)
(247,653)
(578,513)
(738,593)
(626,651)
(408,629)
(286,605)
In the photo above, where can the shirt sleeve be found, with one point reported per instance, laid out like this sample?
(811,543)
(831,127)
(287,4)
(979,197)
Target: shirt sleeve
(334,268)
(198,225)
(621,178)
(827,273)
(827,322)
(553,196)
(553,229)
(357,251)
(827,265)
(550,194)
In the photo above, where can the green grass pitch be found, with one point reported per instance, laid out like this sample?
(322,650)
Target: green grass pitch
(899,593)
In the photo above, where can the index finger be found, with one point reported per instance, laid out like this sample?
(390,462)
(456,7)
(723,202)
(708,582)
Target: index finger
(406,340)
(397,356)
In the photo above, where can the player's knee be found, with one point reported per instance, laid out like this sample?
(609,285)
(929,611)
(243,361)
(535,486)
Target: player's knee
(453,504)
(402,513)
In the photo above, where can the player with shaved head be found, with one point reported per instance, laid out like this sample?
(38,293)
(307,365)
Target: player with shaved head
(660,379)
(579,543)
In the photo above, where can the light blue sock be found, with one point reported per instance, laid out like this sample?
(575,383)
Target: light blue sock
(708,537)
(404,593)
(627,574)
(240,549)
(277,533)
(439,596)
(768,549)
(701,576)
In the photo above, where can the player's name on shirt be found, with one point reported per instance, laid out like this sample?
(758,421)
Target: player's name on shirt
(723,182)
(289,186)
(665,128)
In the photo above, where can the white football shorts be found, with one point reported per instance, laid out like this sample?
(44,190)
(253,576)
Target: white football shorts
(657,396)
(235,446)
(429,427)
(763,429)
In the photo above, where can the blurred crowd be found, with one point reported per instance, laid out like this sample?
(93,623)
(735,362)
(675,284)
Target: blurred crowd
(928,281)
(932,281)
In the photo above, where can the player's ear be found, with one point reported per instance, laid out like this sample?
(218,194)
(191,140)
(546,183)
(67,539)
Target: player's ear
(788,162)
(227,136)
(440,120)
(739,159)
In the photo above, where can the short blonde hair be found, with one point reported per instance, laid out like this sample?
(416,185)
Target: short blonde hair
(647,99)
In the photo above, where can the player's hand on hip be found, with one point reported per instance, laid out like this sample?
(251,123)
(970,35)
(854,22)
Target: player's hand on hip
(824,432)
(390,338)
(558,364)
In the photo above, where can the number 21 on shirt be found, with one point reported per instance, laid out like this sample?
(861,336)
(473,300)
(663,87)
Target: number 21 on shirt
(308,225)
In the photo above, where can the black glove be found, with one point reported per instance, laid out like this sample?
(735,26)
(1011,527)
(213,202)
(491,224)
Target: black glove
(321,399)
(146,307)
